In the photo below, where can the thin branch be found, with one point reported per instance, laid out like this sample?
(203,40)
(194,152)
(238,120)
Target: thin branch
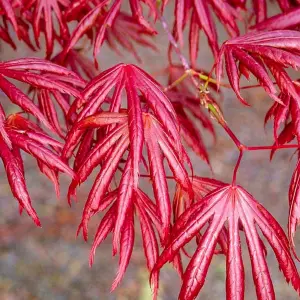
(172,40)
(237,167)
(274,147)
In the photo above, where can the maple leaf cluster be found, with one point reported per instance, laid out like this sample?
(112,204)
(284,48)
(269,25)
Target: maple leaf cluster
(126,127)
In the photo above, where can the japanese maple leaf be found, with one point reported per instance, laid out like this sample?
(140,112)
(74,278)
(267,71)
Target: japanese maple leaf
(40,74)
(42,14)
(110,152)
(17,133)
(230,207)
(201,18)
(257,51)
(113,26)
(146,118)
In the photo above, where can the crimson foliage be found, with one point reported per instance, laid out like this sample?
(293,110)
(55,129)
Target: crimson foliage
(125,126)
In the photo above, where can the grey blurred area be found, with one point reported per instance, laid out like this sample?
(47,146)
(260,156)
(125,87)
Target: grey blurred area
(51,263)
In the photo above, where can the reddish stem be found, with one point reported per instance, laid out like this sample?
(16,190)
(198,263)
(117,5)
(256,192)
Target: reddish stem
(237,166)
(274,147)
(234,138)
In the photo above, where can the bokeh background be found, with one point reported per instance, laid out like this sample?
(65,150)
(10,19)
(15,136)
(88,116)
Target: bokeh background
(50,263)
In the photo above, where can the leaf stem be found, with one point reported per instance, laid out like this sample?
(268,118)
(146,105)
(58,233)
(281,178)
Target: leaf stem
(274,147)
(237,166)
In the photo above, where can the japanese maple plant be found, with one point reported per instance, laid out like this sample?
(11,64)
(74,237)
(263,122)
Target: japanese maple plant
(127,127)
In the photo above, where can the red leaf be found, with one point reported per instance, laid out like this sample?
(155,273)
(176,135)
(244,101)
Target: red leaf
(15,176)
(126,247)
(234,205)
(294,201)
(286,20)
(8,8)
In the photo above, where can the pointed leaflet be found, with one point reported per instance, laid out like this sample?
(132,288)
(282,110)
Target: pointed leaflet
(49,111)
(294,201)
(137,13)
(205,22)
(102,183)
(8,8)
(234,205)
(16,180)
(125,202)
(287,20)
(233,76)
(105,227)
(136,130)
(158,176)
(150,244)
(126,247)
(107,22)
(194,37)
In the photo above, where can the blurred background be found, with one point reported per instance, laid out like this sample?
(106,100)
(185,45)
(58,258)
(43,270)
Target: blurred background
(50,263)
